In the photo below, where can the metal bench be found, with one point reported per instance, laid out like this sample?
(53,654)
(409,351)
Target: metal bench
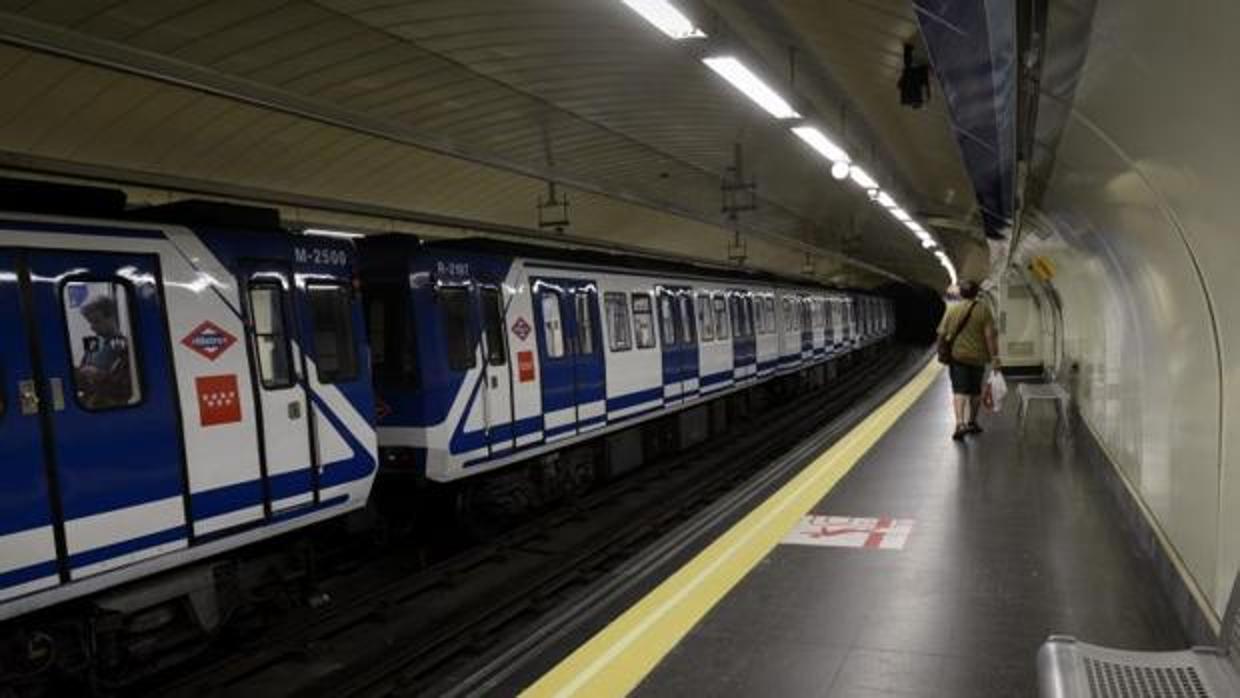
(1031,392)
(1068,668)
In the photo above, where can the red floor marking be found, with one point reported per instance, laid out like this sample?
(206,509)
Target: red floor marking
(875,538)
(884,533)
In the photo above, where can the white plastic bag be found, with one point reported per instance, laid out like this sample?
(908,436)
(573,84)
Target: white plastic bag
(996,389)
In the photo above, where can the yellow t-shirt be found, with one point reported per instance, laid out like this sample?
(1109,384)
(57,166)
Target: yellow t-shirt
(970,346)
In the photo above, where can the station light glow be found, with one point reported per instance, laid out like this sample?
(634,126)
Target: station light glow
(743,79)
(324,232)
(819,141)
(666,18)
(862,178)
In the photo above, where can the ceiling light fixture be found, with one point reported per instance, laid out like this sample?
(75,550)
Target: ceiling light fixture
(901,215)
(743,79)
(819,141)
(863,179)
(839,170)
(664,15)
(884,199)
(323,232)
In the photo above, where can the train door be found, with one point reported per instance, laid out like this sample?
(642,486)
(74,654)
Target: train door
(743,344)
(279,384)
(497,376)
(690,360)
(28,551)
(680,358)
(589,374)
(570,351)
(110,417)
(323,306)
(837,323)
(806,307)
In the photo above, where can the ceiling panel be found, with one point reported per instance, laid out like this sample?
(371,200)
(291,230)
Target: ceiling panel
(578,90)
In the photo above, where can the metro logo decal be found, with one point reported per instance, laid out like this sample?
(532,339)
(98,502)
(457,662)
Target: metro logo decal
(521,328)
(219,401)
(209,340)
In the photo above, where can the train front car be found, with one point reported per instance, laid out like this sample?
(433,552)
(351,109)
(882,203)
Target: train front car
(452,376)
(170,394)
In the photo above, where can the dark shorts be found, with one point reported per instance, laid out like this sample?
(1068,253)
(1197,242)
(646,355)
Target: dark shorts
(966,378)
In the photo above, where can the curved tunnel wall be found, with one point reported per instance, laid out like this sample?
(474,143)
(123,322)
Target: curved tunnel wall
(1141,203)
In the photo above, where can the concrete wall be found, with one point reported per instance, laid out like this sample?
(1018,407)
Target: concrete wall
(1138,214)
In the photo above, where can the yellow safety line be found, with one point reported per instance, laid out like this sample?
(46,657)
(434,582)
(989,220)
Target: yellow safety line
(613,661)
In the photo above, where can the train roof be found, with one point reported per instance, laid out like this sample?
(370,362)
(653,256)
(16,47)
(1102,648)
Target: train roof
(601,258)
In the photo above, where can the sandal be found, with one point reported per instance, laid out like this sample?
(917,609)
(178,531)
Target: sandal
(972,428)
(958,435)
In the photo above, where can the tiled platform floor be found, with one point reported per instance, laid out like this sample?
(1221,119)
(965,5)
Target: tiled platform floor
(1015,538)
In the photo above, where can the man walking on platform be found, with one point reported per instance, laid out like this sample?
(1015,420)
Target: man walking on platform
(968,327)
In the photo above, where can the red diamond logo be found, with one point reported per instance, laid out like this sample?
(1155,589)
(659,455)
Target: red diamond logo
(210,340)
(521,328)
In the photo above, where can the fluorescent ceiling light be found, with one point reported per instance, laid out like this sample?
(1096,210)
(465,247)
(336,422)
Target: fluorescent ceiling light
(863,180)
(901,215)
(664,15)
(915,227)
(928,243)
(743,79)
(839,170)
(818,141)
(322,232)
(885,200)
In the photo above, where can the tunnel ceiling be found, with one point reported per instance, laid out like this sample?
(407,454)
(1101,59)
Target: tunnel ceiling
(579,91)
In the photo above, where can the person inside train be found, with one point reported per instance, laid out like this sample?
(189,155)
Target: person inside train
(968,327)
(103,376)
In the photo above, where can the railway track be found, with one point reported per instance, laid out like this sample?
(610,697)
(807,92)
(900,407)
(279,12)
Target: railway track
(454,626)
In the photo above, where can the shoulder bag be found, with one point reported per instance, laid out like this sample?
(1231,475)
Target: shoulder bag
(945,343)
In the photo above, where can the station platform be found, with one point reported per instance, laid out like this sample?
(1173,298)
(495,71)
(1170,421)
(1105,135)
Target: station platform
(928,568)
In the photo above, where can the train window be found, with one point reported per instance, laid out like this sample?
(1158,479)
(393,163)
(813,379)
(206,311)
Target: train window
(759,317)
(392,348)
(643,322)
(458,330)
(706,325)
(734,306)
(807,314)
(688,327)
(585,323)
(750,328)
(270,335)
(667,320)
(493,325)
(101,338)
(721,318)
(619,329)
(333,332)
(769,302)
(787,314)
(553,325)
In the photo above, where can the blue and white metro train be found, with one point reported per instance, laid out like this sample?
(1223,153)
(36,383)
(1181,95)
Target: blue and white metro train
(170,393)
(182,380)
(489,353)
